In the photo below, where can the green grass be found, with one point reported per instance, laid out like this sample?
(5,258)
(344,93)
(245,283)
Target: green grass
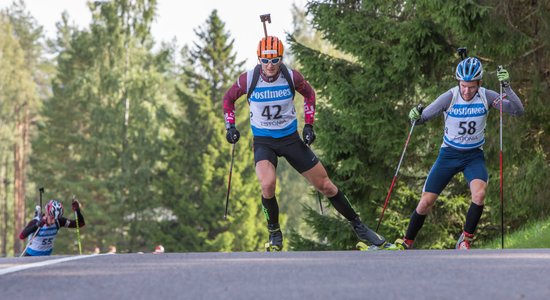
(535,235)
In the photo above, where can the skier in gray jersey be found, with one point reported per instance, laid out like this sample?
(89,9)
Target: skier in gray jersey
(465,109)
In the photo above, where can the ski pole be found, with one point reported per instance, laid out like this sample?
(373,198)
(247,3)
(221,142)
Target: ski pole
(395,176)
(77,230)
(39,215)
(501,171)
(307,138)
(41,190)
(30,241)
(320,203)
(229,181)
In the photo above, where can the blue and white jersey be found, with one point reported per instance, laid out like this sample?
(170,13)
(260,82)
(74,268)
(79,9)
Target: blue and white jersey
(42,244)
(465,121)
(272,112)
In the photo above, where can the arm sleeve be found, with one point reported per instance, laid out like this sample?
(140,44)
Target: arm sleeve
(437,107)
(235,92)
(510,101)
(31,227)
(69,223)
(304,88)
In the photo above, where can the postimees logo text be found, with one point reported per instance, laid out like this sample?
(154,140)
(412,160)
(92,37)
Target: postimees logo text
(262,94)
(467,110)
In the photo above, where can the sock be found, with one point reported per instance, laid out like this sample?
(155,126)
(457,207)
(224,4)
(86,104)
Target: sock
(342,205)
(270,208)
(472,218)
(415,224)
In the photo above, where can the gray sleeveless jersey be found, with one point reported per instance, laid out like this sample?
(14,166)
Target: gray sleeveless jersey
(465,120)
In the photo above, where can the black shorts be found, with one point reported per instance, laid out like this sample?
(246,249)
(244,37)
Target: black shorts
(291,147)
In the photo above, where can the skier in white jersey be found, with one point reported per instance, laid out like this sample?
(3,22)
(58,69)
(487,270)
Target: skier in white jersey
(465,109)
(42,229)
(274,127)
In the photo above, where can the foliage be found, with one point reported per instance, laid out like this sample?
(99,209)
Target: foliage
(140,139)
(23,78)
(534,234)
(403,55)
(103,126)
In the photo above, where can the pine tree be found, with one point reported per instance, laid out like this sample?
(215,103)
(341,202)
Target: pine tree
(103,128)
(16,88)
(403,53)
(25,104)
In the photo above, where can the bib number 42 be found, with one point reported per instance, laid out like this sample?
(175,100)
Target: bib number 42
(272,112)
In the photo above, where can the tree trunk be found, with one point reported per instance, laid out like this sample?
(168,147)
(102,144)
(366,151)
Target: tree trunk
(5,220)
(19,183)
(17,211)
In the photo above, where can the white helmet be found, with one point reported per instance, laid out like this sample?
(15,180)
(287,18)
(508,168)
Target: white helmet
(54,208)
(159,249)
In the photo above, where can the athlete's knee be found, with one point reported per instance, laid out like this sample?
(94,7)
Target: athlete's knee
(327,188)
(426,203)
(478,189)
(478,197)
(268,188)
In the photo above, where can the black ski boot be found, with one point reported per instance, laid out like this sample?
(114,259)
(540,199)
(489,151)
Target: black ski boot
(367,235)
(275,238)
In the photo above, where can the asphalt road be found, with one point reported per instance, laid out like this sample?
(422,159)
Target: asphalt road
(418,274)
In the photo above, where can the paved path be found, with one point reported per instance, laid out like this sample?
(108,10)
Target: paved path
(419,274)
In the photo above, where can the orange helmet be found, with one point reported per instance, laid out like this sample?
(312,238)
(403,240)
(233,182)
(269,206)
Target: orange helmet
(270,47)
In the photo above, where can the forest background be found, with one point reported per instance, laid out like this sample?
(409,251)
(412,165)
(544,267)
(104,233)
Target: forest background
(135,130)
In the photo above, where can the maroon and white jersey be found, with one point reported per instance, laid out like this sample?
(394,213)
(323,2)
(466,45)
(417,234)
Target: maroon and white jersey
(272,112)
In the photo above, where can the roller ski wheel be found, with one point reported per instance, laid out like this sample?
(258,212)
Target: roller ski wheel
(272,248)
(362,246)
(402,244)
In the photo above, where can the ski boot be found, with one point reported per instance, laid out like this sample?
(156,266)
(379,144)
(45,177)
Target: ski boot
(368,238)
(275,243)
(464,241)
(404,244)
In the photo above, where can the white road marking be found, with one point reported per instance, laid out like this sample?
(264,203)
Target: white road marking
(41,264)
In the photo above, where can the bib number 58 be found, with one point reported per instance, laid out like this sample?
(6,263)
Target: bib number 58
(467,127)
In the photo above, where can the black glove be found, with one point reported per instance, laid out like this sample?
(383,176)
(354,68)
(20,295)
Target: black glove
(41,222)
(308,134)
(75,204)
(232,135)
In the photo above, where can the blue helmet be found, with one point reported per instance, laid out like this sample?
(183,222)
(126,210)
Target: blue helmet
(469,69)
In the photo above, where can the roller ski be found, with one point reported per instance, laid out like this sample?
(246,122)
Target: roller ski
(403,244)
(369,240)
(464,241)
(275,243)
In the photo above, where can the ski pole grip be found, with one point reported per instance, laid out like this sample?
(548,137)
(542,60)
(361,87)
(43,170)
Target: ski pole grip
(462,52)
(420,108)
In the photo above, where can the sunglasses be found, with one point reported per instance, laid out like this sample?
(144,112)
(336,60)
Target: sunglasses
(273,61)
